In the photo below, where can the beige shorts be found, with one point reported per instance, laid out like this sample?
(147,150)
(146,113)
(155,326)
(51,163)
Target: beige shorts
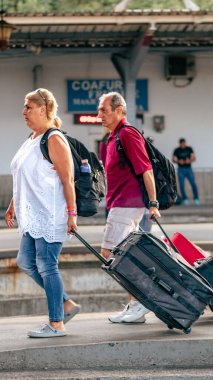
(120,222)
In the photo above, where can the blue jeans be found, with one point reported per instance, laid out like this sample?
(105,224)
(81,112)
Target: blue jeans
(187,173)
(39,260)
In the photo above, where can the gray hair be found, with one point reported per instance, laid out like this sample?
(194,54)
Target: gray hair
(116,100)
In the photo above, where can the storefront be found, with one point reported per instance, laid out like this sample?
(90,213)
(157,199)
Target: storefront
(165,101)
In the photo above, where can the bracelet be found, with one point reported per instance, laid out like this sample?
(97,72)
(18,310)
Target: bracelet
(72,213)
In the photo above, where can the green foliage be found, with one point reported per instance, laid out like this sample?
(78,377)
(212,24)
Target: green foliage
(33,6)
(87,5)
(155,4)
(83,6)
(26,6)
(205,4)
(167,4)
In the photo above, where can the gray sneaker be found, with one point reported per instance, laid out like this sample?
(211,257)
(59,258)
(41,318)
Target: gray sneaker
(70,314)
(46,331)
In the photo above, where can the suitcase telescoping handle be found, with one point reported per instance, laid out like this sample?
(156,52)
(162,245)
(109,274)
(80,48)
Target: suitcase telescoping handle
(164,232)
(91,249)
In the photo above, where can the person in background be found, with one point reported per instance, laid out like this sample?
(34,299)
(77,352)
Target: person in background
(183,156)
(45,208)
(124,198)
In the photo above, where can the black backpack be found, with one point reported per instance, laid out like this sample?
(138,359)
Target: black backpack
(90,188)
(163,170)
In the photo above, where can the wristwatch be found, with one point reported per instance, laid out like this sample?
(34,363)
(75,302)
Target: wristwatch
(154,204)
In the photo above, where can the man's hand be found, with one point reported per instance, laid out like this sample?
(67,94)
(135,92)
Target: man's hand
(105,253)
(181,161)
(187,161)
(154,211)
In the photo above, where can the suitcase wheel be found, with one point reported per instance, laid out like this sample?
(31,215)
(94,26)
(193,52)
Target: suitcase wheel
(187,331)
(170,327)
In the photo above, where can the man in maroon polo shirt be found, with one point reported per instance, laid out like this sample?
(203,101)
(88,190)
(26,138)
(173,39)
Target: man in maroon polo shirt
(124,198)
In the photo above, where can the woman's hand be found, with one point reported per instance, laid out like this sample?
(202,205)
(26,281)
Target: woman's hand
(71,223)
(9,215)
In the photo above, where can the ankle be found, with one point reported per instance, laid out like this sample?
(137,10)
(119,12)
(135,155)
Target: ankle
(68,305)
(57,325)
(133,301)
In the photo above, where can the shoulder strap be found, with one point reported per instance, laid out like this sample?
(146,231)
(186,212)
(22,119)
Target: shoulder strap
(44,145)
(73,147)
(148,142)
(120,149)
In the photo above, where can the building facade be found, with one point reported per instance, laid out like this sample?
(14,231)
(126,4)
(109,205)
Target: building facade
(175,107)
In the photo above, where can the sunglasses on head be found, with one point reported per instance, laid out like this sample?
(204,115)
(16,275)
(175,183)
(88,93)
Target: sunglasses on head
(42,96)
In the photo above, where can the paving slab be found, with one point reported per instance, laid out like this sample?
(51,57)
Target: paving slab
(199,233)
(122,374)
(93,342)
(176,214)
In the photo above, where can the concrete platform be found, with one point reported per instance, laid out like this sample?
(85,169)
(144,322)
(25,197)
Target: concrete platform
(83,279)
(96,349)
(176,214)
(94,343)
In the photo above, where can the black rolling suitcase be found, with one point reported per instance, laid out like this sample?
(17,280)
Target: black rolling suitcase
(205,268)
(143,265)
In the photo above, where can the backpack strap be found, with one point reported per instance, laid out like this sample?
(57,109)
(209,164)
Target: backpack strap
(119,147)
(73,147)
(121,151)
(44,145)
(123,157)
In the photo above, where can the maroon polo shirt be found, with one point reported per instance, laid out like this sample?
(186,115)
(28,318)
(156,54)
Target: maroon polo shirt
(123,189)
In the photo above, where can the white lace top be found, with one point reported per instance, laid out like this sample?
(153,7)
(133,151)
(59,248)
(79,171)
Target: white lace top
(39,201)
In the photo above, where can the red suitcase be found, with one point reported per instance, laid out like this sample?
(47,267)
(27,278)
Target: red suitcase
(190,251)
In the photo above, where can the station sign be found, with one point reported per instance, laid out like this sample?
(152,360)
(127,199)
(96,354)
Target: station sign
(83,94)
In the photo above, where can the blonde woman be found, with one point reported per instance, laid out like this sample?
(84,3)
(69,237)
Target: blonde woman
(45,208)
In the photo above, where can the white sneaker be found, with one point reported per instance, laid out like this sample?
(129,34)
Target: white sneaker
(134,311)
(118,318)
